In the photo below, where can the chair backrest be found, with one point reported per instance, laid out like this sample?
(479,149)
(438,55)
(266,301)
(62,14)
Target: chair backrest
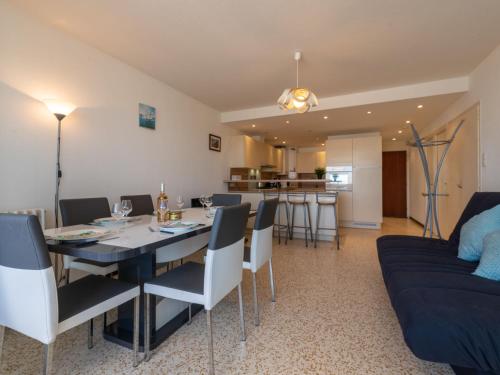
(296,197)
(141,204)
(478,203)
(83,211)
(261,249)
(28,293)
(226,199)
(329,197)
(223,270)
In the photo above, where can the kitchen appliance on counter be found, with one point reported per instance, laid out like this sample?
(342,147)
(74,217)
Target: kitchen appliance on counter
(339,178)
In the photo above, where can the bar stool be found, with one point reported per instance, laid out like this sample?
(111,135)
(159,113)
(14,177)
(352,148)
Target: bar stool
(327,199)
(281,203)
(299,199)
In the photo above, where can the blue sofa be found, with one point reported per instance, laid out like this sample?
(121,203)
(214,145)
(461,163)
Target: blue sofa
(446,314)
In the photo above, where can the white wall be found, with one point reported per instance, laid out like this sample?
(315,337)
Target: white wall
(104,151)
(484,89)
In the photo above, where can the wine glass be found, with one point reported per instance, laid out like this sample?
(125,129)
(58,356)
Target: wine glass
(126,207)
(202,201)
(117,211)
(208,201)
(163,209)
(180,202)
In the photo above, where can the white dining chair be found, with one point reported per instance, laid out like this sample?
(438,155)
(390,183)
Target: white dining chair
(207,284)
(260,251)
(30,302)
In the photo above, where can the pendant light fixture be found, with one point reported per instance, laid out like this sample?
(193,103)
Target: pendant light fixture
(298,98)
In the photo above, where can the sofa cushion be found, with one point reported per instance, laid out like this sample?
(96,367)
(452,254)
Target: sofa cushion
(489,265)
(460,327)
(473,232)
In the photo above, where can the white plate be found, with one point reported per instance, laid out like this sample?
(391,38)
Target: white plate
(79,235)
(178,226)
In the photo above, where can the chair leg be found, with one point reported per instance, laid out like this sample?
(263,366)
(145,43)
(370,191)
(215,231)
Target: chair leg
(67,276)
(337,236)
(243,335)
(255,303)
(211,367)
(90,334)
(309,218)
(48,356)
(136,331)
(2,335)
(287,223)
(147,327)
(305,224)
(271,281)
(279,224)
(190,314)
(317,226)
(293,220)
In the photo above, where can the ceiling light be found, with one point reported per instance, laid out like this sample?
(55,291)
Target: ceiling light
(298,98)
(325,117)
(275,137)
(283,142)
(369,112)
(393,139)
(408,121)
(400,132)
(287,121)
(253,125)
(322,144)
(420,106)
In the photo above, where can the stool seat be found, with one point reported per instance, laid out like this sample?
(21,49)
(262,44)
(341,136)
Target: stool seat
(300,199)
(278,226)
(323,200)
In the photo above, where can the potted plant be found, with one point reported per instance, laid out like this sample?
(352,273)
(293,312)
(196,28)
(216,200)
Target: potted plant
(320,172)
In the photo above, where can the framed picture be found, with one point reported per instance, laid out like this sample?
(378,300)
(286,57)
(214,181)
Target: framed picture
(214,142)
(147,116)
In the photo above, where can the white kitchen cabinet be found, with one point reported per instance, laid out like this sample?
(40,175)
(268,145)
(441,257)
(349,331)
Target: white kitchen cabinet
(308,161)
(367,151)
(339,151)
(345,206)
(246,152)
(367,195)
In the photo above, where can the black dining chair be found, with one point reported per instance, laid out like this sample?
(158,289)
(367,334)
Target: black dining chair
(84,211)
(31,303)
(141,204)
(207,284)
(226,199)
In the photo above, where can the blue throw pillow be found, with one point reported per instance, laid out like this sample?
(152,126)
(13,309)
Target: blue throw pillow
(489,265)
(473,232)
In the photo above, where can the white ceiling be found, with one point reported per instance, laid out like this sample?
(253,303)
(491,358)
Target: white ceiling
(236,54)
(311,129)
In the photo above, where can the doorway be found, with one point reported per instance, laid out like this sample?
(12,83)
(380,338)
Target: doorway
(394,184)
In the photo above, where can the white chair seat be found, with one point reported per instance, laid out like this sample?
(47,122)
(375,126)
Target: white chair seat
(183,283)
(94,268)
(89,297)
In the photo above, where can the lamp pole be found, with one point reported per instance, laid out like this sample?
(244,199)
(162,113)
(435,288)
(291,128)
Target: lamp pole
(59,117)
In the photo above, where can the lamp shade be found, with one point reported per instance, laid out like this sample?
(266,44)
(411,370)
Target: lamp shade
(58,107)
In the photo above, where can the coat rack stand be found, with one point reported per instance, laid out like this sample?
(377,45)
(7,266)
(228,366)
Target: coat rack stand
(431,219)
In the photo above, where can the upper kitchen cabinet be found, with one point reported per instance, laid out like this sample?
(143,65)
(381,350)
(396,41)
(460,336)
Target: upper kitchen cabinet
(246,152)
(339,151)
(308,161)
(367,151)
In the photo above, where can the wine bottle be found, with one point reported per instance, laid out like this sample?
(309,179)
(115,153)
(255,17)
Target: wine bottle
(161,197)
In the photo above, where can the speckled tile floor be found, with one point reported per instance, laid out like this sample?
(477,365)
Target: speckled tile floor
(332,316)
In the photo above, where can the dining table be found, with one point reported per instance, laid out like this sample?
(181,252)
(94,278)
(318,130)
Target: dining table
(133,244)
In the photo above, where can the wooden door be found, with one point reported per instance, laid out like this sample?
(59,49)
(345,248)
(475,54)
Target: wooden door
(394,183)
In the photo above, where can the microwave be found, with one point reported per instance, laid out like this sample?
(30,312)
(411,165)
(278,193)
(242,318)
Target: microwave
(338,178)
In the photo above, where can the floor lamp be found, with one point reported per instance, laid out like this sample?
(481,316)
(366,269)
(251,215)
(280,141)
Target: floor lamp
(60,110)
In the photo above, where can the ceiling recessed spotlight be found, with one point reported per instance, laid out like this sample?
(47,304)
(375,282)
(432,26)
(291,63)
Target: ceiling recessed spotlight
(393,139)
(420,106)
(283,142)
(325,117)
(408,121)
(369,112)
(253,125)
(287,121)
(322,144)
(400,132)
(275,137)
